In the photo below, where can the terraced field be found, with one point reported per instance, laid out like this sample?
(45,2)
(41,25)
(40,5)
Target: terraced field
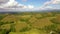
(30,23)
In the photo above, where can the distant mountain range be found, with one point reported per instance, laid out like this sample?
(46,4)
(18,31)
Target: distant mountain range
(2,11)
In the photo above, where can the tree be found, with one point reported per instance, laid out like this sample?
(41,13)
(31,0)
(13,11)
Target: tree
(12,28)
(25,29)
(50,28)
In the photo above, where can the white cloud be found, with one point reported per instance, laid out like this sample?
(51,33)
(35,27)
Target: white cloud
(30,6)
(47,4)
(47,7)
(10,3)
(52,2)
(3,1)
(24,0)
(13,5)
(56,1)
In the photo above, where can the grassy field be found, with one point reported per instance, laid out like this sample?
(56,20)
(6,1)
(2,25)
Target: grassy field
(30,23)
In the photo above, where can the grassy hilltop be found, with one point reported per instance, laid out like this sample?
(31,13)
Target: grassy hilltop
(30,23)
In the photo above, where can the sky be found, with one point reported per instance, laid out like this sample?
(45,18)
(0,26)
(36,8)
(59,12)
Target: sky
(29,5)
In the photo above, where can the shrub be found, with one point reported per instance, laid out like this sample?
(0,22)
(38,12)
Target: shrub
(12,28)
(25,29)
(55,21)
(50,28)
(1,23)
